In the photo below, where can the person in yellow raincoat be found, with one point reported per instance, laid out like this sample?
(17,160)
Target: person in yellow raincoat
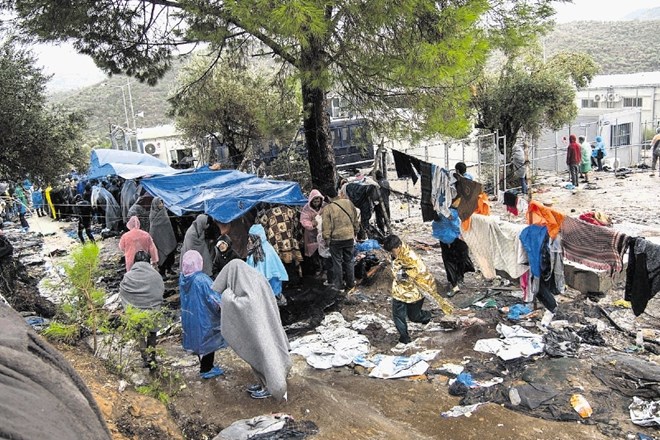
(411,281)
(50,202)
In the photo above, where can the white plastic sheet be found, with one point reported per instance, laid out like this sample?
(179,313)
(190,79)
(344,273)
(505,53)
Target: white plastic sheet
(516,342)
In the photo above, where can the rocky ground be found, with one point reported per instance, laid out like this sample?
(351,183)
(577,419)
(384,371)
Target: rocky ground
(344,402)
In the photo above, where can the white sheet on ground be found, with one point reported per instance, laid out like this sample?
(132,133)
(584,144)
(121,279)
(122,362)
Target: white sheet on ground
(394,367)
(515,342)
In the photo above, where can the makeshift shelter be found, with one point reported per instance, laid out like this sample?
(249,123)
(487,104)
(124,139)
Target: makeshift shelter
(224,195)
(126,164)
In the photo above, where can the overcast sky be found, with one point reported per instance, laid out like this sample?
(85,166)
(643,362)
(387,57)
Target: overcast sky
(72,71)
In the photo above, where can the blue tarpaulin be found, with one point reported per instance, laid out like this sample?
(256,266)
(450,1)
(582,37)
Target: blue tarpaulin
(127,164)
(224,195)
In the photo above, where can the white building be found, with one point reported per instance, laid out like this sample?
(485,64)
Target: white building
(609,94)
(165,143)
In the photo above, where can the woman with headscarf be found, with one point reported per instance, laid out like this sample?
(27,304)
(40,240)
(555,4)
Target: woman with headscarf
(310,211)
(136,240)
(262,256)
(200,314)
(142,287)
(252,328)
(162,233)
(195,239)
(223,254)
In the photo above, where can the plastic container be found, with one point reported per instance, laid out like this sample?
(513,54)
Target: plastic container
(581,406)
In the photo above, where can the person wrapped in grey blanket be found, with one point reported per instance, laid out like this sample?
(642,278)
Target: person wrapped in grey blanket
(252,327)
(41,394)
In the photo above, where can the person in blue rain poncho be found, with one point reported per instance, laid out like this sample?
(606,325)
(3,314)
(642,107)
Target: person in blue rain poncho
(200,314)
(263,257)
(598,153)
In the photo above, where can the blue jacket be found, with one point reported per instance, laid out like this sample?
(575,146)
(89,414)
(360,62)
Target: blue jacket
(200,314)
(533,237)
(447,230)
(272,267)
(600,146)
(37,198)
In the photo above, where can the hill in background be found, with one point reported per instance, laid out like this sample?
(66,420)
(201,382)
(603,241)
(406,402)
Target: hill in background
(617,46)
(103,103)
(644,14)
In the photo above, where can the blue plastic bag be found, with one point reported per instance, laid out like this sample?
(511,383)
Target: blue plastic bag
(447,230)
(518,310)
(367,245)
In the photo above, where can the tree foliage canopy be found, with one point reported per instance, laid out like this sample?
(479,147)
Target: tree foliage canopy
(242,108)
(383,56)
(528,95)
(36,141)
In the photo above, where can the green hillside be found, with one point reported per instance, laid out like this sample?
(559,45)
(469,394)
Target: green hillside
(103,103)
(617,46)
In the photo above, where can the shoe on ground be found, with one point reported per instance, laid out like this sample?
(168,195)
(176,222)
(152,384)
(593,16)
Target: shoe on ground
(453,291)
(547,318)
(253,388)
(213,372)
(281,300)
(652,174)
(261,394)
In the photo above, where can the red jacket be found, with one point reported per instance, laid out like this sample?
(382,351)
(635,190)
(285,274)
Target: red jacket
(573,154)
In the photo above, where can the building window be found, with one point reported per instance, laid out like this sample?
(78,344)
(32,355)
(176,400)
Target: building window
(589,103)
(632,102)
(620,134)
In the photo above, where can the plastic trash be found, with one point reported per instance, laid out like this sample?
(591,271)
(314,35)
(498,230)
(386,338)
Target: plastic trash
(581,406)
(465,379)
(367,245)
(517,311)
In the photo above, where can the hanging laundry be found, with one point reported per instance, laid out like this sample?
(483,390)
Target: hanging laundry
(595,246)
(533,239)
(425,170)
(538,214)
(496,245)
(642,274)
(456,258)
(443,190)
(511,201)
(404,166)
(467,195)
(483,208)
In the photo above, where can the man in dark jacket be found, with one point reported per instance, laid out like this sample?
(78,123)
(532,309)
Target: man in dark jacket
(83,211)
(341,222)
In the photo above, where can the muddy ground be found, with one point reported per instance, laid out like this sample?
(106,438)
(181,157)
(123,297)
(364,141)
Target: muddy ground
(344,402)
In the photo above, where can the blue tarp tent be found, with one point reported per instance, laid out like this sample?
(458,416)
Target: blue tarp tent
(126,164)
(224,195)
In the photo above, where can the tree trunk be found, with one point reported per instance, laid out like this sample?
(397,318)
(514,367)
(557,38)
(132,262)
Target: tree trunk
(316,122)
(235,154)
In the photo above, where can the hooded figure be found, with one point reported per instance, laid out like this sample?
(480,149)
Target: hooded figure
(252,328)
(223,254)
(573,158)
(142,287)
(128,196)
(262,256)
(308,215)
(200,314)
(162,233)
(139,210)
(599,152)
(102,197)
(196,239)
(136,240)
(518,164)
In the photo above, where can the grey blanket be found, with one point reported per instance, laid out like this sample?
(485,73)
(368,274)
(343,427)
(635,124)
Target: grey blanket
(42,396)
(142,287)
(160,229)
(196,239)
(251,324)
(128,196)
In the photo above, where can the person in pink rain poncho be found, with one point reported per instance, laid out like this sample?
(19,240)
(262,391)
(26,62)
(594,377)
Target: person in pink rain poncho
(136,240)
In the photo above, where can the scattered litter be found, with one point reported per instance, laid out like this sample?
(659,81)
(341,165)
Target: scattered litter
(517,342)
(622,303)
(394,367)
(487,303)
(454,369)
(122,385)
(268,427)
(37,322)
(458,411)
(367,245)
(561,343)
(518,311)
(581,406)
(645,413)
(335,345)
